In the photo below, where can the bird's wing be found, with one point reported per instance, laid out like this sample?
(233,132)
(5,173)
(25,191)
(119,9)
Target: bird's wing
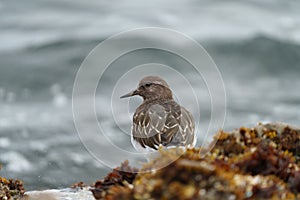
(149,125)
(169,125)
(179,127)
(186,128)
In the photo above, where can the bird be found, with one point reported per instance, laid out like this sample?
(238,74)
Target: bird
(160,121)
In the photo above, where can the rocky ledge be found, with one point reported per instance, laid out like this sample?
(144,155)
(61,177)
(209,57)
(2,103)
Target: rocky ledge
(248,163)
(262,162)
(11,189)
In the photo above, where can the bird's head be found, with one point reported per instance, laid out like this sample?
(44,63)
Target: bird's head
(150,88)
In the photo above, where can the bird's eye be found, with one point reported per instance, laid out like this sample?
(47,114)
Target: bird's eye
(147,85)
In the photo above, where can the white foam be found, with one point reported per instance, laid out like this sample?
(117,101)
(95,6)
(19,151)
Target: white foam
(78,159)
(38,145)
(60,100)
(63,194)
(15,162)
(4,142)
(59,97)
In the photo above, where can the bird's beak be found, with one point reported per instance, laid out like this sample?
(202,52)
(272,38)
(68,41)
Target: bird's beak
(130,94)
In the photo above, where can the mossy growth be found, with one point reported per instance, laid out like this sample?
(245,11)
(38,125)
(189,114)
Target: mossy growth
(11,189)
(247,163)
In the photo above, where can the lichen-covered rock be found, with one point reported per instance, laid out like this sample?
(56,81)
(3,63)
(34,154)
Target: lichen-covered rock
(121,176)
(248,163)
(11,189)
(207,178)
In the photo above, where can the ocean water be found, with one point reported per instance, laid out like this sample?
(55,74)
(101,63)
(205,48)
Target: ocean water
(256,46)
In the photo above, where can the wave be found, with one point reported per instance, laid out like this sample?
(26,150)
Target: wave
(56,63)
(261,54)
(57,20)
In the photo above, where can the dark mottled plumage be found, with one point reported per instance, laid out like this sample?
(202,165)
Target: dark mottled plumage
(159,120)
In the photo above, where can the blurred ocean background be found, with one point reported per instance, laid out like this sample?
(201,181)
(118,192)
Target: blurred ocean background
(255,44)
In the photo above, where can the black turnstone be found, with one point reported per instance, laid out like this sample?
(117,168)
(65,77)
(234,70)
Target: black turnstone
(159,120)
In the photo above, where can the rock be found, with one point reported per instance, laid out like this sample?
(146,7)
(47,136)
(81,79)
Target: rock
(11,189)
(248,163)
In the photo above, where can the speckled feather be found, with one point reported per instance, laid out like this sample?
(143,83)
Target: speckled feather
(163,121)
